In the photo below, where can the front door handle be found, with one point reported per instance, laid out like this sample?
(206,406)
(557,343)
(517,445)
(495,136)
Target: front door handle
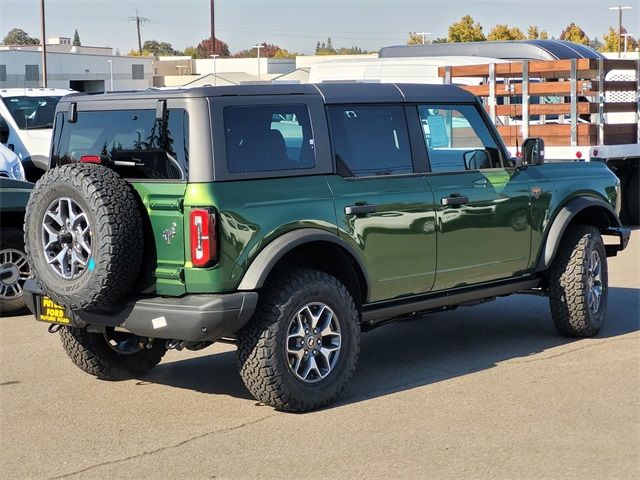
(454,200)
(360,209)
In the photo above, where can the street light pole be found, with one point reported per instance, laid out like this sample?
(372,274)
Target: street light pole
(424,36)
(44,45)
(215,75)
(620,9)
(626,38)
(258,47)
(110,62)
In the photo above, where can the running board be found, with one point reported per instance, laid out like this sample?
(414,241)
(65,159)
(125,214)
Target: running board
(435,301)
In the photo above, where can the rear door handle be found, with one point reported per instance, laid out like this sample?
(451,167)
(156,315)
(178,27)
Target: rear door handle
(454,200)
(360,209)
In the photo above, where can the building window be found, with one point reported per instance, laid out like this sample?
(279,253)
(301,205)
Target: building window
(3,73)
(31,73)
(137,72)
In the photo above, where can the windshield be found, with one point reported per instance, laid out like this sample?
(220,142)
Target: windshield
(32,113)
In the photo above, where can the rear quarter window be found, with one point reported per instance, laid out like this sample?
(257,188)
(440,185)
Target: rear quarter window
(265,138)
(133,142)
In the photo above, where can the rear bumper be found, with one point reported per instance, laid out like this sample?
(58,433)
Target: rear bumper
(623,235)
(190,318)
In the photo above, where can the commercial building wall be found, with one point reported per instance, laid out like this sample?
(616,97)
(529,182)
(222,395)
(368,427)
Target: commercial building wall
(23,69)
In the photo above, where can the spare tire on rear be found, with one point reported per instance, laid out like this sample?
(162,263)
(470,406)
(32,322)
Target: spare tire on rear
(83,235)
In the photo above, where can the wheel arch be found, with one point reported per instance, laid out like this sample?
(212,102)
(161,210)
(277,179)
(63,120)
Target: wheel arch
(309,247)
(579,210)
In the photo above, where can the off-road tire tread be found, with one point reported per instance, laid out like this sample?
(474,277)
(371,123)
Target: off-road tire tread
(257,341)
(119,233)
(87,353)
(567,299)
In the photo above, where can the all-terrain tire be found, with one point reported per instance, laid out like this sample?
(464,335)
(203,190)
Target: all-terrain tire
(264,366)
(92,354)
(569,283)
(116,234)
(15,270)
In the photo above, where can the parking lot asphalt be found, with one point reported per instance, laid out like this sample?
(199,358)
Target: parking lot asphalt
(484,392)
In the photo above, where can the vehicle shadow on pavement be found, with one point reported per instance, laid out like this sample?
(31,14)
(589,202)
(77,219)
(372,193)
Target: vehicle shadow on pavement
(426,349)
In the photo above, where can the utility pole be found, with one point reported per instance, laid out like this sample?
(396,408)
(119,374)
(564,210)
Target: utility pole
(620,9)
(44,45)
(213,29)
(139,21)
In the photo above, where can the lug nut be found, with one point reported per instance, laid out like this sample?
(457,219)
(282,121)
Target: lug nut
(315,352)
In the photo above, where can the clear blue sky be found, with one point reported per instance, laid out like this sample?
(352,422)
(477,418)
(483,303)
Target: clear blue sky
(298,24)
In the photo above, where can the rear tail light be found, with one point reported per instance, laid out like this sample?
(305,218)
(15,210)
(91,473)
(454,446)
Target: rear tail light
(204,241)
(90,159)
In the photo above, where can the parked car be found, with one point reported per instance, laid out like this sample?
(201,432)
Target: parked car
(175,219)
(10,164)
(26,121)
(14,268)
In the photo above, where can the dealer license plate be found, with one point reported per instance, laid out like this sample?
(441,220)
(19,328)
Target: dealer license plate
(51,312)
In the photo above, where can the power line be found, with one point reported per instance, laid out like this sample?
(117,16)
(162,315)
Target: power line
(139,21)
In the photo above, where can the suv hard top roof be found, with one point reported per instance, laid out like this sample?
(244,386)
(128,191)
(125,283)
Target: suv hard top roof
(331,93)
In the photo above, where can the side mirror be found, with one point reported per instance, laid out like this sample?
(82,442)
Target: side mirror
(4,133)
(533,151)
(476,159)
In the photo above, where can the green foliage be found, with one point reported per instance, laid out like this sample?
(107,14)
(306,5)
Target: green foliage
(504,32)
(159,48)
(17,36)
(466,30)
(268,50)
(76,39)
(191,52)
(328,49)
(573,33)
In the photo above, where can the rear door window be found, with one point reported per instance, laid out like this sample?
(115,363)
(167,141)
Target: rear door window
(370,140)
(134,142)
(263,138)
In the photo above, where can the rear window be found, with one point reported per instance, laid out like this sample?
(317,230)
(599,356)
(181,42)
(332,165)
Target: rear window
(32,113)
(262,138)
(134,142)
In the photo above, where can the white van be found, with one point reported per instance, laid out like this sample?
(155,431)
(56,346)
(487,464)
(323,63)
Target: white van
(26,121)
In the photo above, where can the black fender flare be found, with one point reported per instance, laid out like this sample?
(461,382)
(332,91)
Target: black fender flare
(562,220)
(270,255)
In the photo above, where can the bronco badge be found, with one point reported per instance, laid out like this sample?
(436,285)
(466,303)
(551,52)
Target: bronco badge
(536,192)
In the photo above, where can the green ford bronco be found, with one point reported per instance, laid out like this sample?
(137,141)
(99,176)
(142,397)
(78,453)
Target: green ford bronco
(286,219)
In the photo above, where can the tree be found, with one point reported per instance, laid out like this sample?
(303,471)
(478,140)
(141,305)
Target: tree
(466,30)
(573,33)
(282,53)
(325,48)
(203,50)
(159,48)
(611,40)
(533,33)
(191,52)
(268,50)
(76,39)
(414,39)
(503,32)
(17,36)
